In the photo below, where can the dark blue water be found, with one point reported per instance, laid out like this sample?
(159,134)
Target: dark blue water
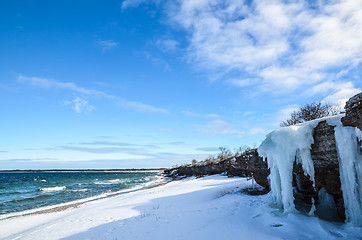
(24,191)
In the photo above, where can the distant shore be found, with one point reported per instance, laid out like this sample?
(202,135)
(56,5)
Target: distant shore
(87,170)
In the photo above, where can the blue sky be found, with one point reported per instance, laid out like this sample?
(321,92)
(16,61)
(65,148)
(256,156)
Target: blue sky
(132,84)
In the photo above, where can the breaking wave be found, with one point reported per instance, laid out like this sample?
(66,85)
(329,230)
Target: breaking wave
(52,189)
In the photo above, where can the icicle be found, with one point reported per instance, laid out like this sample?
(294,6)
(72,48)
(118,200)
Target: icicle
(281,147)
(350,168)
(312,209)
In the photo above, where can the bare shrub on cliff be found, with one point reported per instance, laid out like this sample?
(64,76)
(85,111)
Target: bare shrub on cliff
(241,150)
(224,152)
(310,112)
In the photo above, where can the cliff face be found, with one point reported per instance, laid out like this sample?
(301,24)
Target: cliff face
(248,164)
(353,112)
(251,165)
(326,171)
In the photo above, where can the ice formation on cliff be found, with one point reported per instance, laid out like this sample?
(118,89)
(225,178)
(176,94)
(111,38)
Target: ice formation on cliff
(350,171)
(285,145)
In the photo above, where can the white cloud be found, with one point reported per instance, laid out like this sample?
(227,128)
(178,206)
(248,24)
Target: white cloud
(256,130)
(285,112)
(283,46)
(220,127)
(106,45)
(194,114)
(80,105)
(212,115)
(131,3)
(51,83)
(241,82)
(141,107)
(158,61)
(54,84)
(337,92)
(167,44)
(248,113)
(208,149)
(341,93)
(107,150)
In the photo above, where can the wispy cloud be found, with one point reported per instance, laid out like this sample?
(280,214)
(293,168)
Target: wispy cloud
(241,82)
(256,130)
(106,147)
(275,46)
(51,83)
(167,44)
(219,127)
(284,113)
(194,114)
(131,3)
(135,3)
(139,106)
(208,149)
(107,45)
(106,150)
(177,143)
(79,103)
(107,143)
(31,159)
(248,113)
(340,91)
(158,61)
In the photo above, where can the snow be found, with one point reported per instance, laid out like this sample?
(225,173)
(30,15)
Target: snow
(212,207)
(282,146)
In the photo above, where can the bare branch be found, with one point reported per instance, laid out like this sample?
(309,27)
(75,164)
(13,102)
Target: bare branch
(310,112)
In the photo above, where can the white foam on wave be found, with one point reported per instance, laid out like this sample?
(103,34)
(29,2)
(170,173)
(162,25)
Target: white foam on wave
(113,181)
(52,189)
(79,190)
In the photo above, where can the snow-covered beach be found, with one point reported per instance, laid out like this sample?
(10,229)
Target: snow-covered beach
(211,207)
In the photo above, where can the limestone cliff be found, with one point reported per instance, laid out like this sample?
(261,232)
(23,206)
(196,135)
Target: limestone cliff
(353,112)
(246,164)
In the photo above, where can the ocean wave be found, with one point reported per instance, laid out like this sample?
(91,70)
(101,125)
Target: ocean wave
(52,189)
(113,181)
(79,190)
(27,199)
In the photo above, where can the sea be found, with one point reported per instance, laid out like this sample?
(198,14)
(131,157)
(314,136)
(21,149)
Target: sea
(21,191)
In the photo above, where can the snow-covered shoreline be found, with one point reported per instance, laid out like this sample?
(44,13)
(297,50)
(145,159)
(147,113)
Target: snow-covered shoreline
(212,207)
